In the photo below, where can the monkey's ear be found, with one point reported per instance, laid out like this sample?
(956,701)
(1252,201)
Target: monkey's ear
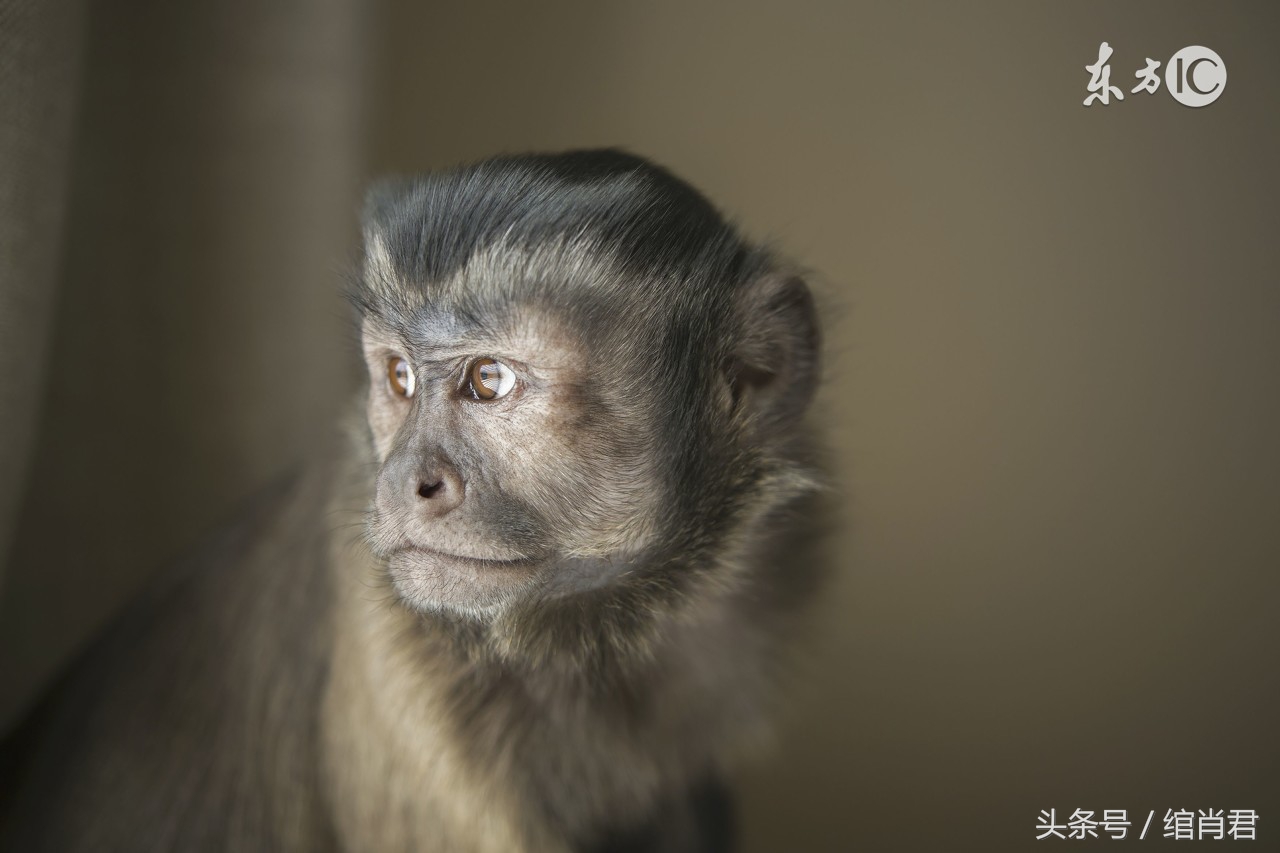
(773,370)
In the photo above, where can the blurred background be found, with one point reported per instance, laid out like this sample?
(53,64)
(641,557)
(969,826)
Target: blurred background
(1052,380)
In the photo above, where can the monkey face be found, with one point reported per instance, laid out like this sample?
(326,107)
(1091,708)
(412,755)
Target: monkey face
(579,375)
(509,467)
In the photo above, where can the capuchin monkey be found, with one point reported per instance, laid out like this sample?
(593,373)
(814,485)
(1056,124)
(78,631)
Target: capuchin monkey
(542,600)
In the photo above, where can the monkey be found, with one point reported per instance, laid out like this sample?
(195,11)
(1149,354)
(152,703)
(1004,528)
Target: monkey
(541,595)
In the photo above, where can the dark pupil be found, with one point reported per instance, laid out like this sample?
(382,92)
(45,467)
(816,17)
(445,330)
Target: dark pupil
(489,376)
(402,375)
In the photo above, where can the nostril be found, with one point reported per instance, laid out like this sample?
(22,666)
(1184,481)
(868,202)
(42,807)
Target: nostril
(430,490)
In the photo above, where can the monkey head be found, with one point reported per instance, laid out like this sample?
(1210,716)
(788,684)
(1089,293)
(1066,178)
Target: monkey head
(580,379)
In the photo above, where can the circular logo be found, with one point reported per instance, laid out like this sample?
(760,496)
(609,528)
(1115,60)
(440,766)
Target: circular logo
(1195,76)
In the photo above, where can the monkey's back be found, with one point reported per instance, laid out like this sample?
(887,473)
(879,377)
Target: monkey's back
(192,723)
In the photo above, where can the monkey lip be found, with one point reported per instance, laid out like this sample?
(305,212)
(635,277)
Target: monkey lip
(480,562)
(429,579)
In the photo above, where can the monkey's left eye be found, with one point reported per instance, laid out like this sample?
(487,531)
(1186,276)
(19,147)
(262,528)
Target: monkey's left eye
(488,379)
(400,376)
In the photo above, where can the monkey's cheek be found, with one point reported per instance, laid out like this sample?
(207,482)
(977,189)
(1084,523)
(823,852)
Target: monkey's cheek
(433,582)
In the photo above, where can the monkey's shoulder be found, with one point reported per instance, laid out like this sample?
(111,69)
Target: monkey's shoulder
(191,722)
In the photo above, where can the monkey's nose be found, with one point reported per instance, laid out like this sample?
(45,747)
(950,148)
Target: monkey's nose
(439,490)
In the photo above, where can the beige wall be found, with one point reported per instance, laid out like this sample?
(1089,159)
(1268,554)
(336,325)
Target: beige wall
(198,345)
(1052,388)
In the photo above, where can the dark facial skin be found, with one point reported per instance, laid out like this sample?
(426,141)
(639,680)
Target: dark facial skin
(657,364)
(482,502)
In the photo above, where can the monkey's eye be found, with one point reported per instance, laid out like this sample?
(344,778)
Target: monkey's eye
(488,379)
(400,376)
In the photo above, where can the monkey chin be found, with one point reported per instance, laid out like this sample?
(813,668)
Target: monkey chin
(434,581)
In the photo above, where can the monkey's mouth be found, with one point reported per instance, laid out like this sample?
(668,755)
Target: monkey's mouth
(429,579)
(479,562)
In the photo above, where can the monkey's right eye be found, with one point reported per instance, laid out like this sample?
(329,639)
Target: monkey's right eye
(400,376)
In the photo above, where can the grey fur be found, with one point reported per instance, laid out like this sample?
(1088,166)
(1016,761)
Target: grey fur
(548,622)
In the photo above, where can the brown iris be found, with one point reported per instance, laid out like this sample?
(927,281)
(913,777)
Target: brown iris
(488,379)
(400,376)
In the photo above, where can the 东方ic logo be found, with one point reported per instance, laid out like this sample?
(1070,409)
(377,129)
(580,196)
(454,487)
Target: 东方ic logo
(1195,76)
